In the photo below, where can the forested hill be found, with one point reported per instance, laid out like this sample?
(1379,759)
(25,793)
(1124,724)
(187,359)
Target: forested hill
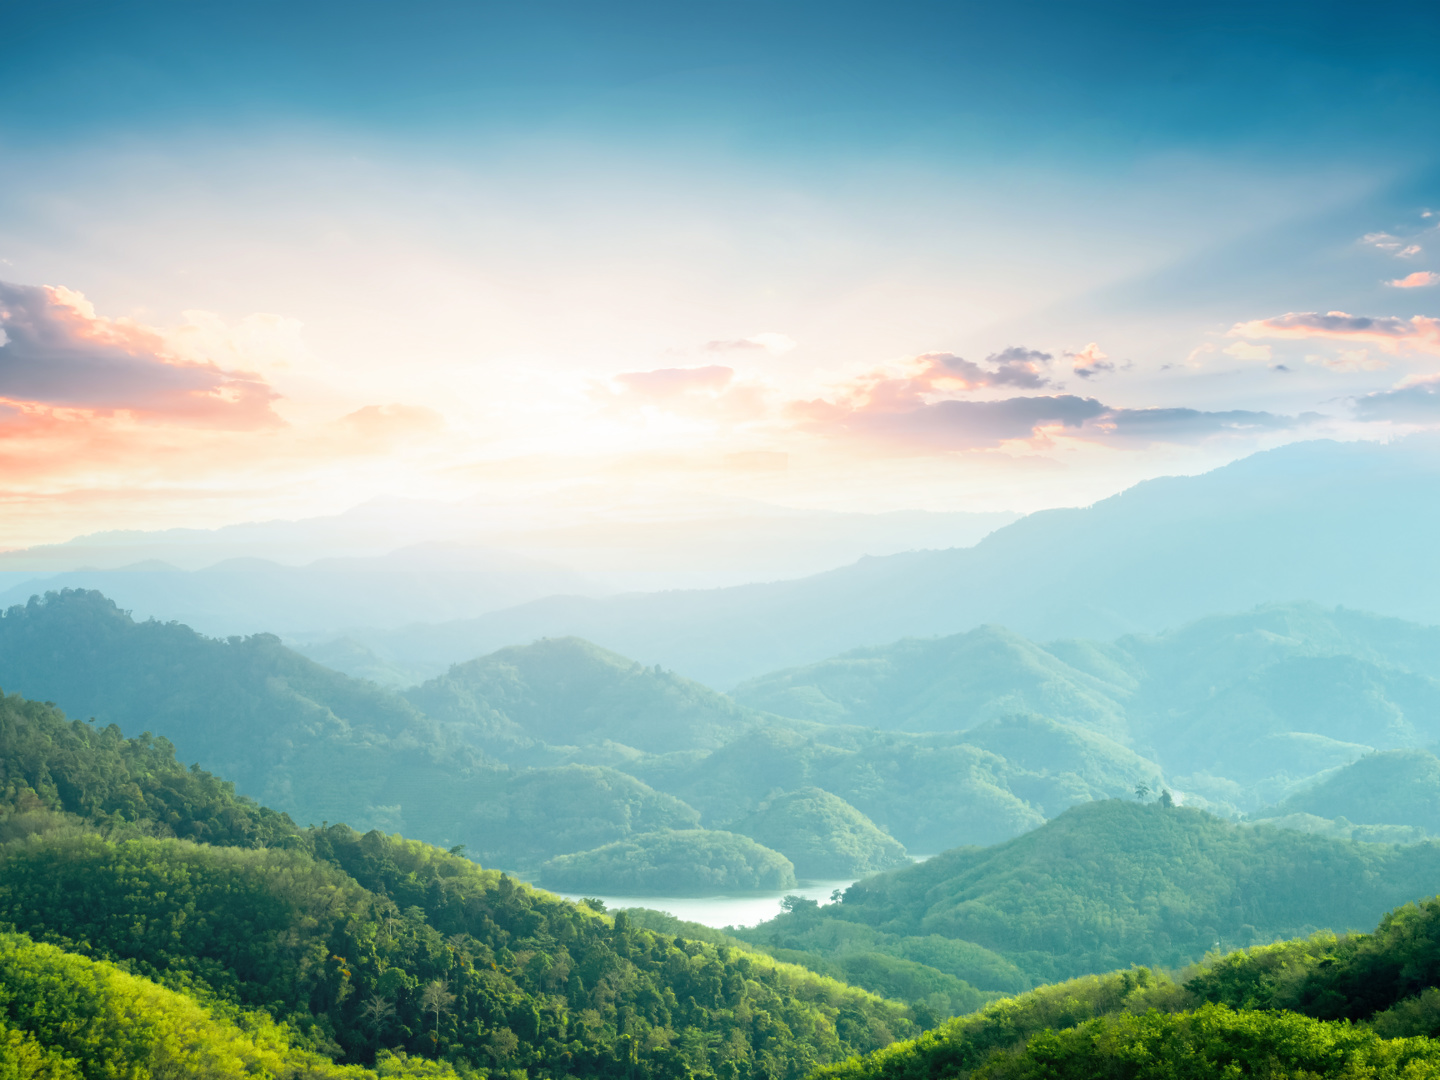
(545,750)
(1113,883)
(1360,1006)
(566,692)
(1237,709)
(359,943)
(312,742)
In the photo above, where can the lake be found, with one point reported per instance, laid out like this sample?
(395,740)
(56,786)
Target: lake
(719,912)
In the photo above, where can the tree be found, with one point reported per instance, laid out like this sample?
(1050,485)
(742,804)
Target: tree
(376,1013)
(1165,799)
(1142,791)
(437,998)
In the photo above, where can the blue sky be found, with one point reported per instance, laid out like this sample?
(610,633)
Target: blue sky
(634,255)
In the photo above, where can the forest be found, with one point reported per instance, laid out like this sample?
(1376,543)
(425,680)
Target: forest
(364,949)
(155,923)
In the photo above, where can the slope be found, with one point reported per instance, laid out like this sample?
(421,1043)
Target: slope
(361,941)
(1401,787)
(568,692)
(1112,883)
(312,742)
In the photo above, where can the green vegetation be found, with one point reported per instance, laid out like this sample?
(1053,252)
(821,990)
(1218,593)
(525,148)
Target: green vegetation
(1398,788)
(823,835)
(1114,883)
(65,1017)
(1238,710)
(365,947)
(535,752)
(940,684)
(561,748)
(1361,1005)
(49,765)
(565,692)
(694,862)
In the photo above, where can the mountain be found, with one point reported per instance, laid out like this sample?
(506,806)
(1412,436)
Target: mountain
(942,684)
(428,582)
(312,742)
(695,862)
(823,835)
(1112,883)
(568,692)
(1400,787)
(1298,523)
(568,700)
(1237,709)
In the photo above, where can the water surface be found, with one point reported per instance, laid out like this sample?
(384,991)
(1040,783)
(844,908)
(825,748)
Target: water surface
(747,909)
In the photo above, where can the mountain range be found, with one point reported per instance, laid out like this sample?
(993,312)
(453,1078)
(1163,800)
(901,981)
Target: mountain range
(1337,524)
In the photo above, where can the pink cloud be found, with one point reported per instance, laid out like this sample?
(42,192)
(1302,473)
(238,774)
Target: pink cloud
(57,351)
(1387,333)
(1090,361)
(1418,280)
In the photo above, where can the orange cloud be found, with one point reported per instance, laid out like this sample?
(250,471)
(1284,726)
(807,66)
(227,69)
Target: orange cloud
(1387,333)
(56,351)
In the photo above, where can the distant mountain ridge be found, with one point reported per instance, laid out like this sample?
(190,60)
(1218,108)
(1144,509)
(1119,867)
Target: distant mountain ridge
(1303,522)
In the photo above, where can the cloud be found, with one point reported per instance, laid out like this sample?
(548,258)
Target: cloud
(58,352)
(969,425)
(1387,333)
(1418,280)
(1244,350)
(1417,404)
(1187,425)
(663,383)
(1350,360)
(768,342)
(1090,361)
(1019,366)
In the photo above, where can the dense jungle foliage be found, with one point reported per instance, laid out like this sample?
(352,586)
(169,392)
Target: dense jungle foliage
(66,1017)
(692,862)
(1113,883)
(363,944)
(1361,1005)
(823,835)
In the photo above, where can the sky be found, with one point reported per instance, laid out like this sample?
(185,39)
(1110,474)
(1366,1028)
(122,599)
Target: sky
(577,262)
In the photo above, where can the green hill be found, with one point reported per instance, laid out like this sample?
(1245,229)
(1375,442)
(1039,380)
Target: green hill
(1109,884)
(318,745)
(567,692)
(535,751)
(1400,787)
(1360,1005)
(67,1017)
(823,835)
(694,862)
(358,943)
(1237,710)
(941,684)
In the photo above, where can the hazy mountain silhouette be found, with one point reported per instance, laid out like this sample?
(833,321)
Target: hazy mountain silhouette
(1336,523)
